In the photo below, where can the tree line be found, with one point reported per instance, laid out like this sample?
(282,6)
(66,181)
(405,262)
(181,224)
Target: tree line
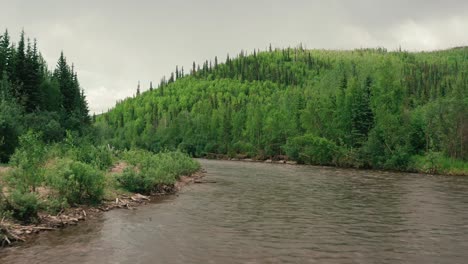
(362,108)
(34,98)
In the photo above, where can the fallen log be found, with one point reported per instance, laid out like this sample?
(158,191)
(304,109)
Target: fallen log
(8,236)
(200,181)
(43,228)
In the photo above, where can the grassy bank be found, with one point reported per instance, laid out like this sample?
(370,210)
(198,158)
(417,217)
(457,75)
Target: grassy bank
(436,163)
(48,180)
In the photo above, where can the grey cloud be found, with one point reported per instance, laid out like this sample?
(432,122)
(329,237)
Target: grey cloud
(116,43)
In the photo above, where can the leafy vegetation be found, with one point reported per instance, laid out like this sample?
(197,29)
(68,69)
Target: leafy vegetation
(23,205)
(34,98)
(75,181)
(364,108)
(150,172)
(312,150)
(53,177)
(57,158)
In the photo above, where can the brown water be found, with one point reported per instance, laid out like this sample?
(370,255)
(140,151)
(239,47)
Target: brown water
(265,213)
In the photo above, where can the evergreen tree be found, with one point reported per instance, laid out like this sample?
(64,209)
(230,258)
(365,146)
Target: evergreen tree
(64,76)
(5,51)
(20,73)
(84,109)
(33,98)
(32,79)
(138,89)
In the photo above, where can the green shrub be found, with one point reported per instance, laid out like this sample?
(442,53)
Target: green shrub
(76,181)
(80,149)
(100,157)
(103,158)
(4,212)
(149,171)
(24,206)
(398,160)
(438,163)
(134,181)
(47,123)
(28,160)
(310,149)
(54,205)
(10,128)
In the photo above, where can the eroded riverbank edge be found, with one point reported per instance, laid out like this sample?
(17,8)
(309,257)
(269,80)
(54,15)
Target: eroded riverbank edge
(14,233)
(295,163)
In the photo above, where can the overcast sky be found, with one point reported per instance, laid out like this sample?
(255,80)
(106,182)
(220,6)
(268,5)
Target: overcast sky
(113,44)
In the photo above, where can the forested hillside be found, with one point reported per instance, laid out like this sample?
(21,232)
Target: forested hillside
(34,98)
(47,138)
(362,108)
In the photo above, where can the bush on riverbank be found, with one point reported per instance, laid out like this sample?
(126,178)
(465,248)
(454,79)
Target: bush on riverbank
(81,149)
(437,163)
(3,202)
(74,172)
(23,206)
(149,171)
(309,149)
(75,181)
(28,160)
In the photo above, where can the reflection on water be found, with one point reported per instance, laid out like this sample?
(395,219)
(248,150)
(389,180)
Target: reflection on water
(265,213)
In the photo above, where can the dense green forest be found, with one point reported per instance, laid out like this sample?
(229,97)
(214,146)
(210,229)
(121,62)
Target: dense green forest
(366,108)
(56,158)
(34,98)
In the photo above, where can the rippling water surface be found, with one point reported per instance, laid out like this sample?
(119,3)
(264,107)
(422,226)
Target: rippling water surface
(265,213)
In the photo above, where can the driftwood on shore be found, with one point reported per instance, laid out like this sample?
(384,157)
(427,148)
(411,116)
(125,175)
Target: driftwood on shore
(201,181)
(7,236)
(14,232)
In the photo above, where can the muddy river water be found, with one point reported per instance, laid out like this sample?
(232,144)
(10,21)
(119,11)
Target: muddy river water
(267,213)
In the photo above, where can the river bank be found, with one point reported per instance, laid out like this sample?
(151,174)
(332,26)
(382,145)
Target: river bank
(14,232)
(269,213)
(420,166)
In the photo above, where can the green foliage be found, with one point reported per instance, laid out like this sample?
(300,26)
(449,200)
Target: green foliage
(310,149)
(23,205)
(34,98)
(100,157)
(436,162)
(76,181)
(54,205)
(82,149)
(379,108)
(4,212)
(138,182)
(28,160)
(149,171)
(47,124)
(10,129)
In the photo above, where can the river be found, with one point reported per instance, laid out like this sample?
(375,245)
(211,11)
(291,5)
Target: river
(270,213)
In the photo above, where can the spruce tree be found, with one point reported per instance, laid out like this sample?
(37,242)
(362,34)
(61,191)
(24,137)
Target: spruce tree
(69,87)
(19,70)
(4,51)
(32,79)
(138,89)
(84,109)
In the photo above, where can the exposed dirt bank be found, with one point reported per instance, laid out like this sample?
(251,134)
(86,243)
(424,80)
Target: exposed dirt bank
(11,233)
